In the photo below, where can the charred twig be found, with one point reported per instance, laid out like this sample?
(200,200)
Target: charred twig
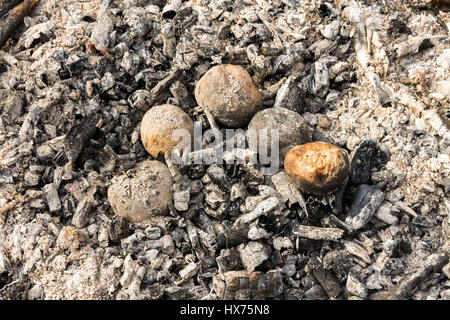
(317,233)
(77,137)
(14,18)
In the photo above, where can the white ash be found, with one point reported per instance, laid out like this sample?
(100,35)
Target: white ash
(253,254)
(354,71)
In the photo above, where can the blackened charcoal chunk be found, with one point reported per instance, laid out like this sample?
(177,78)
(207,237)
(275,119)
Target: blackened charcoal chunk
(367,156)
(119,229)
(233,236)
(184,18)
(218,175)
(76,139)
(229,260)
(324,11)
(295,100)
(397,28)
(366,202)
(425,44)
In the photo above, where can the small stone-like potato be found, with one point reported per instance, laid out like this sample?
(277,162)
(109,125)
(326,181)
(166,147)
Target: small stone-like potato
(228,92)
(141,192)
(158,125)
(318,168)
(292,128)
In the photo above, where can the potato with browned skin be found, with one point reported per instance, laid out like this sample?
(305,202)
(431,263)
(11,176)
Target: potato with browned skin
(441,3)
(142,192)
(158,125)
(318,168)
(228,92)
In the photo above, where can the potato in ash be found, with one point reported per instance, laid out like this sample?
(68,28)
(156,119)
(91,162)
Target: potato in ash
(141,192)
(157,128)
(440,3)
(291,126)
(228,92)
(318,168)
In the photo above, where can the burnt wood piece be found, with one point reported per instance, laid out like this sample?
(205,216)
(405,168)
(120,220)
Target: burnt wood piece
(6,5)
(11,21)
(76,139)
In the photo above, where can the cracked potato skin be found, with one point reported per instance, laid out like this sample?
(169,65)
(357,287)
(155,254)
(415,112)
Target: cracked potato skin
(141,192)
(318,168)
(228,92)
(157,127)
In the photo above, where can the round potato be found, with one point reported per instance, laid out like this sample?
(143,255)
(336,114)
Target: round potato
(142,192)
(158,125)
(317,167)
(292,129)
(228,92)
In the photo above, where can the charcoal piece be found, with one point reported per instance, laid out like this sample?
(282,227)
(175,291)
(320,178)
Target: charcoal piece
(355,287)
(385,213)
(191,230)
(366,157)
(118,229)
(327,281)
(101,31)
(263,208)
(184,18)
(45,153)
(366,202)
(170,9)
(394,266)
(398,27)
(219,177)
(248,285)
(253,254)
(15,290)
(319,79)
(6,176)
(51,195)
(76,139)
(316,292)
(81,215)
(5,265)
(188,272)
(407,285)
(425,44)
(6,5)
(203,221)
(289,270)
(422,221)
(229,260)
(233,236)
(317,233)
(358,251)
(209,241)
